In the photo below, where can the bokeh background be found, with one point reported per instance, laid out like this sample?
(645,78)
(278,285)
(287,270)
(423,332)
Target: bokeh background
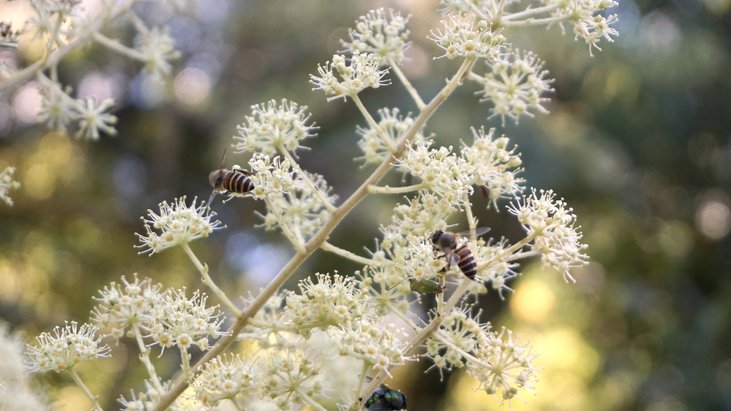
(638,141)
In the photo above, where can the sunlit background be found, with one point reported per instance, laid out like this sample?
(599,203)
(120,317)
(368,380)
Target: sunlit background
(638,141)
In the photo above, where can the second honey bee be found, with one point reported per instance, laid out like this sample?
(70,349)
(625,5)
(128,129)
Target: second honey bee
(454,252)
(234,181)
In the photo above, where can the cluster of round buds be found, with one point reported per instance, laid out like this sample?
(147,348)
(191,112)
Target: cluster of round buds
(493,165)
(67,346)
(416,219)
(515,84)
(553,225)
(274,127)
(291,378)
(440,171)
(378,144)
(298,202)
(176,320)
(175,224)
(346,77)
(502,366)
(380,32)
(148,399)
(328,301)
(498,271)
(378,346)
(6,184)
(121,307)
(462,36)
(456,337)
(589,24)
(226,377)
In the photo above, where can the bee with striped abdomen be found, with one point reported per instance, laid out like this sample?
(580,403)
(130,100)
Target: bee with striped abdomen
(235,181)
(454,252)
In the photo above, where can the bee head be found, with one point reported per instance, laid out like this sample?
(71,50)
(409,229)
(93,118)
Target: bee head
(435,237)
(216,178)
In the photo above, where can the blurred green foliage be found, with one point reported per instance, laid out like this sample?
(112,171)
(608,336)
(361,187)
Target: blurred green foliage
(638,141)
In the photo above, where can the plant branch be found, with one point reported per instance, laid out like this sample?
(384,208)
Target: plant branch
(87,391)
(208,281)
(180,383)
(396,190)
(329,247)
(407,84)
(145,358)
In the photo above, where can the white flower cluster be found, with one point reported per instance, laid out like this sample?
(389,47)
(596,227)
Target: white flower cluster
(440,170)
(514,84)
(226,377)
(168,317)
(66,347)
(463,36)
(553,225)
(586,16)
(175,224)
(124,306)
(6,184)
(494,359)
(380,347)
(380,143)
(499,271)
(493,165)
(274,127)
(298,202)
(346,77)
(380,32)
(148,399)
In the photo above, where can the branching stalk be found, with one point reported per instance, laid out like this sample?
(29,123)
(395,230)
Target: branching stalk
(208,281)
(329,247)
(85,389)
(396,190)
(145,358)
(180,383)
(407,84)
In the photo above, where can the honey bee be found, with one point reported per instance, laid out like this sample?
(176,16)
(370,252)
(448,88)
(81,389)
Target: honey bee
(234,181)
(460,254)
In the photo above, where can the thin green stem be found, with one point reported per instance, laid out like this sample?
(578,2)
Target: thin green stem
(309,400)
(118,47)
(510,250)
(85,389)
(536,22)
(329,247)
(236,404)
(364,111)
(208,281)
(145,358)
(359,386)
(407,84)
(293,238)
(396,190)
(185,363)
(530,12)
(306,178)
(180,383)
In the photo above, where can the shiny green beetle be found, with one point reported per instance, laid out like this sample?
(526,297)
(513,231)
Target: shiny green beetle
(385,399)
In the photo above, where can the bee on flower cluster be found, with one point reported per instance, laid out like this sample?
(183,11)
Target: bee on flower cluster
(225,181)
(385,399)
(454,252)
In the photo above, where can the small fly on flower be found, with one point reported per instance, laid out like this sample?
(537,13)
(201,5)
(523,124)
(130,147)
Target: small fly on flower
(454,252)
(385,399)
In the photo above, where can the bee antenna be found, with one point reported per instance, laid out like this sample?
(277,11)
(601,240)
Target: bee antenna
(223,156)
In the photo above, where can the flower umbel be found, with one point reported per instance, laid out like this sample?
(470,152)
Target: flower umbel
(463,36)
(121,306)
(176,223)
(553,225)
(67,346)
(93,118)
(345,77)
(381,32)
(273,127)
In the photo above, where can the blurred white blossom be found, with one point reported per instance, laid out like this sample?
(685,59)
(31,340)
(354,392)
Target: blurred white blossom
(93,118)
(6,184)
(15,384)
(157,49)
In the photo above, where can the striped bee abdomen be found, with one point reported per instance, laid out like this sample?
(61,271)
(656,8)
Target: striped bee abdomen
(237,182)
(466,263)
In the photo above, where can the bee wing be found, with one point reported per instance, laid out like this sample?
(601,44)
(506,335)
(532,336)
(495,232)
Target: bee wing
(479,232)
(238,169)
